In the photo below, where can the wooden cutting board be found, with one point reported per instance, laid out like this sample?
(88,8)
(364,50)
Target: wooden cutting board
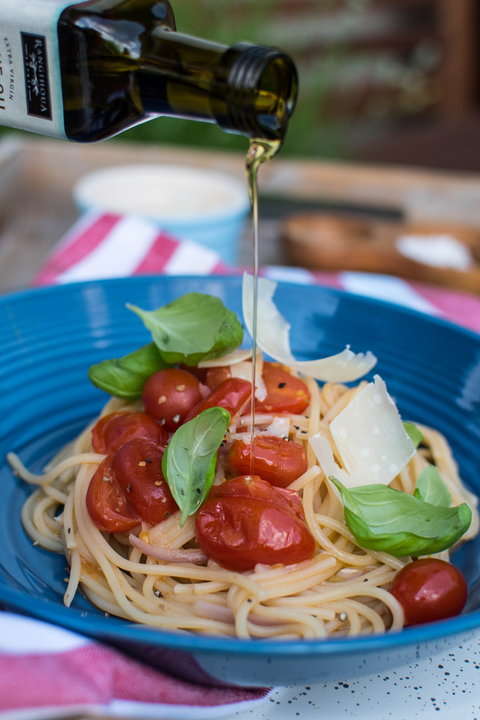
(329,242)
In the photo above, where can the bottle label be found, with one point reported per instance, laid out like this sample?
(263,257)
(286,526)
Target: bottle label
(30,79)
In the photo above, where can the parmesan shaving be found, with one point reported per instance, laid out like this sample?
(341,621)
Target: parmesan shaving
(370,438)
(273,337)
(323,453)
(260,419)
(280,426)
(236,356)
(243,370)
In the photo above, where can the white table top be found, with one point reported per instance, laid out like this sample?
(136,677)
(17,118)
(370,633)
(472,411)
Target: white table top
(445,686)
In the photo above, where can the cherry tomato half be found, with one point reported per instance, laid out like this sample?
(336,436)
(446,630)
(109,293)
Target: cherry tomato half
(429,589)
(253,486)
(137,466)
(106,501)
(114,430)
(277,460)
(239,527)
(232,395)
(169,395)
(285,392)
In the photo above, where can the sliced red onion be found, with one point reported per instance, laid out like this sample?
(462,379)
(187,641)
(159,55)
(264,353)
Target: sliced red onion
(166,554)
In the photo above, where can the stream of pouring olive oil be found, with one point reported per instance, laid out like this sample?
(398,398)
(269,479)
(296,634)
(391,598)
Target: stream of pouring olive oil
(259,151)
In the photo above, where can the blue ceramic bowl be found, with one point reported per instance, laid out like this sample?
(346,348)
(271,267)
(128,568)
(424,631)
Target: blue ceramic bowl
(49,338)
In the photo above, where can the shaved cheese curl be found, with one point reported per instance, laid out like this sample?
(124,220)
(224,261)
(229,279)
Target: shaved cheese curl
(370,438)
(323,453)
(273,337)
(236,356)
(243,370)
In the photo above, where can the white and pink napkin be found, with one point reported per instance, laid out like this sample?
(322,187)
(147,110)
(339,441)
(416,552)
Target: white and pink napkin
(46,671)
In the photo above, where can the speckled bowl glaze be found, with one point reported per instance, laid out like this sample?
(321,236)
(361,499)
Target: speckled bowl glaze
(49,338)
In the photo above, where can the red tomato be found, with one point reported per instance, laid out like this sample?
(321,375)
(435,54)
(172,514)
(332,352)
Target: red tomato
(277,460)
(114,430)
(216,375)
(232,394)
(253,486)
(199,373)
(428,590)
(247,521)
(168,395)
(138,469)
(106,502)
(285,392)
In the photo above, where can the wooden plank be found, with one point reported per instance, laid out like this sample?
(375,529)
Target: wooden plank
(324,242)
(458,29)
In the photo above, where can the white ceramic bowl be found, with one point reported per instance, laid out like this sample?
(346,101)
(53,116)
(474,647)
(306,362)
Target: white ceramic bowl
(201,205)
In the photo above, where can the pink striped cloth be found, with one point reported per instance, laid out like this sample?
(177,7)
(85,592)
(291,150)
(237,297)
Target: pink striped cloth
(47,671)
(103,246)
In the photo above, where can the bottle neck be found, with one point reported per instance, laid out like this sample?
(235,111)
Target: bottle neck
(246,89)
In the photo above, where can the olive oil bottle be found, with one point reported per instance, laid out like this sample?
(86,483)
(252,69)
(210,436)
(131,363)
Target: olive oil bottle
(88,70)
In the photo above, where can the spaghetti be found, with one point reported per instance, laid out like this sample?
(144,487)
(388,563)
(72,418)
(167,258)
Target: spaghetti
(342,590)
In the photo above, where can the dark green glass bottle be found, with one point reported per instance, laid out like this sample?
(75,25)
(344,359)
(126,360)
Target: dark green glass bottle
(123,62)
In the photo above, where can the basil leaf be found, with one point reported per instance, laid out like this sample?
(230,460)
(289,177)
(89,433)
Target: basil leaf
(192,328)
(413,433)
(189,461)
(400,524)
(431,488)
(125,377)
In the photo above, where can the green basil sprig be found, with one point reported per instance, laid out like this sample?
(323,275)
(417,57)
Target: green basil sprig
(413,433)
(395,522)
(125,377)
(431,488)
(192,328)
(189,461)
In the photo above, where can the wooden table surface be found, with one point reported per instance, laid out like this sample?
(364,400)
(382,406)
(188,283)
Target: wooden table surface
(37,208)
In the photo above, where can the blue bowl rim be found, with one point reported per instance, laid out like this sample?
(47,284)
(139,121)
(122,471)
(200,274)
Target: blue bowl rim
(24,293)
(94,627)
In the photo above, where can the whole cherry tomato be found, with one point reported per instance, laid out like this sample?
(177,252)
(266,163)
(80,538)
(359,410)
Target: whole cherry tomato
(168,395)
(137,466)
(216,375)
(277,460)
(199,373)
(232,395)
(429,589)
(106,501)
(285,392)
(114,430)
(248,522)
